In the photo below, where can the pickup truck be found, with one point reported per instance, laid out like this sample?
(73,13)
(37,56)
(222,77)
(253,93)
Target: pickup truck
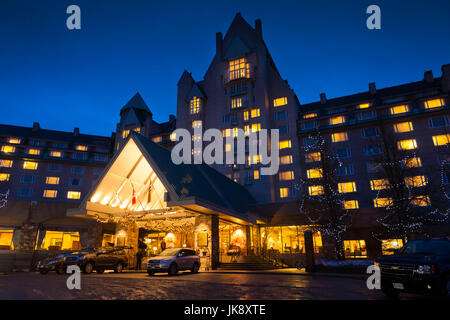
(421,266)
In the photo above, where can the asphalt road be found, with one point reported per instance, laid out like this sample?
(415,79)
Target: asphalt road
(186,286)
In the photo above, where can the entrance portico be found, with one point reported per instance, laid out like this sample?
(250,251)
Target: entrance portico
(141,189)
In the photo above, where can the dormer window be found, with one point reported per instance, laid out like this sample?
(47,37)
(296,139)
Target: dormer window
(194,105)
(239,69)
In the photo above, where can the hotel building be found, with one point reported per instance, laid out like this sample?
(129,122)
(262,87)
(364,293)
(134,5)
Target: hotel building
(68,190)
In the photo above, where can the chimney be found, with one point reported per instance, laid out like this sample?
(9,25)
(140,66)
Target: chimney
(372,88)
(323,98)
(445,77)
(428,76)
(219,46)
(171,118)
(76,131)
(36,126)
(258,28)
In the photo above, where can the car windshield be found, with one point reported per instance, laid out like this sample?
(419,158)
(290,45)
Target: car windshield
(437,247)
(169,252)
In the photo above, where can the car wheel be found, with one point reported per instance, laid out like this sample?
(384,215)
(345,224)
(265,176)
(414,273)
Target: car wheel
(43,271)
(150,273)
(88,268)
(173,270)
(118,268)
(60,270)
(100,271)
(195,268)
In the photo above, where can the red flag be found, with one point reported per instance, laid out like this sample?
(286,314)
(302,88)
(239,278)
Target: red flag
(133,200)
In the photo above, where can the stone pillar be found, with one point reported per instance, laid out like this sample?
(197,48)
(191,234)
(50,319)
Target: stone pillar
(309,250)
(209,254)
(28,237)
(93,236)
(129,230)
(41,236)
(215,242)
(16,238)
(248,236)
(329,247)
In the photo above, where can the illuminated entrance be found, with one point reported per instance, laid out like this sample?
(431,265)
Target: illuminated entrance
(233,241)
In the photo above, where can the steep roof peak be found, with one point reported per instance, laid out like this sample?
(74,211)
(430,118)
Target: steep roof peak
(239,22)
(136,102)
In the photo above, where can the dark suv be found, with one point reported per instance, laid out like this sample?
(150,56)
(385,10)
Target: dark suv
(99,259)
(421,266)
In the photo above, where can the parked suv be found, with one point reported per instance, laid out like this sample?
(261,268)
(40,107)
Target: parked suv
(421,266)
(99,259)
(174,260)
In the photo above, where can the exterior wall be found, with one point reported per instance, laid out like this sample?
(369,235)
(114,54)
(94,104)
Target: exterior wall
(262,87)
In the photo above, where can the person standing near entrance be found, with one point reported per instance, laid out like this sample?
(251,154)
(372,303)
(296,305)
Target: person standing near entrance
(163,245)
(139,255)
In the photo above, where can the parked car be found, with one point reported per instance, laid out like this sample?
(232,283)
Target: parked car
(421,266)
(99,259)
(44,266)
(174,260)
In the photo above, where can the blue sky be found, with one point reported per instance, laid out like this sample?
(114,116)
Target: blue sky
(65,79)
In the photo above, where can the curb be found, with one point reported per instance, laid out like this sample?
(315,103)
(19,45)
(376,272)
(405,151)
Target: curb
(316,274)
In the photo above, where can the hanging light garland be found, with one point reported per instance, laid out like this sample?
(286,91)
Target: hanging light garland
(4,199)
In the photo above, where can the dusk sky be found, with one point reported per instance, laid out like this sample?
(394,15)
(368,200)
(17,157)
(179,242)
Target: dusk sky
(81,78)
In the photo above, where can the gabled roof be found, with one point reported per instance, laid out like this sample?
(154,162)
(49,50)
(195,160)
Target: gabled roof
(196,91)
(198,181)
(136,103)
(236,48)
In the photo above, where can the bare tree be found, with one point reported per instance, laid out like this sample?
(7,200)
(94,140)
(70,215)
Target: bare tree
(321,202)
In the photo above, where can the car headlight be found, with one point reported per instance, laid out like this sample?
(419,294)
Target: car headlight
(82,258)
(424,269)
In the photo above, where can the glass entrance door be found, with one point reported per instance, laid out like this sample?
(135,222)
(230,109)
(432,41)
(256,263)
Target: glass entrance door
(233,241)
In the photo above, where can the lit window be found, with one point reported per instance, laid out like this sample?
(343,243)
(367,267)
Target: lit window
(58,240)
(278,102)
(34,151)
(14,140)
(286,159)
(416,181)
(157,139)
(8,149)
(382,202)
(390,246)
(337,120)
(81,148)
(256,159)
(364,106)
(236,103)
(399,109)
(285,144)
(284,192)
(256,127)
(286,175)
(346,187)
(314,173)
(73,195)
(414,162)
(197,124)
(255,113)
(227,147)
(125,134)
(52,180)
(421,201)
(194,105)
(29,165)
(256,174)
(441,140)
(6,163)
(56,154)
(379,184)
(310,116)
(435,103)
(246,115)
(6,239)
(407,144)
(239,69)
(315,190)
(355,249)
(138,129)
(339,137)
(403,127)
(312,157)
(226,132)
(173,136)
(351,204)
(235,132)
(4,176)
(50,193)
(247,129)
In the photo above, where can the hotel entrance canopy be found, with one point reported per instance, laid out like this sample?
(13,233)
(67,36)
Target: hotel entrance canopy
(141,180)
